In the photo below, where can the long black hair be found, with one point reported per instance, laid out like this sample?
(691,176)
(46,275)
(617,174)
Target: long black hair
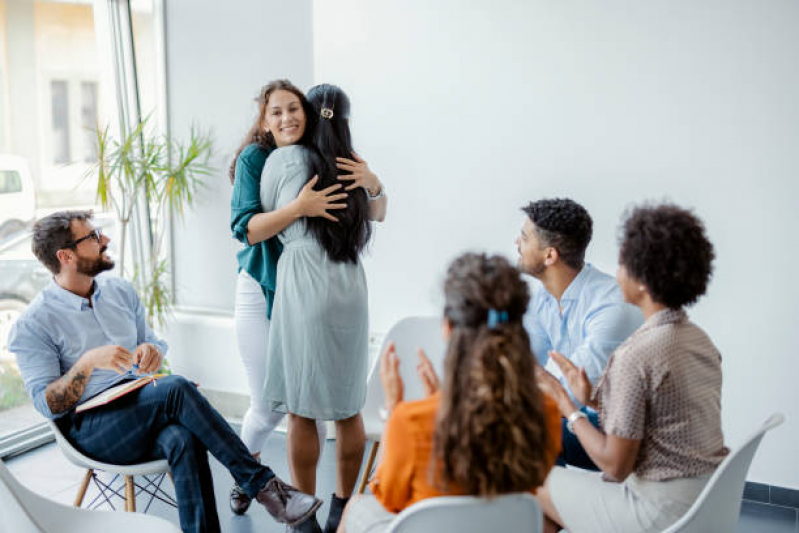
(343,240)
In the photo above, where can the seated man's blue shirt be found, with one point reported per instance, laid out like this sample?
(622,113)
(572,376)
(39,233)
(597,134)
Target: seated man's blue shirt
(594,321)
(58,327)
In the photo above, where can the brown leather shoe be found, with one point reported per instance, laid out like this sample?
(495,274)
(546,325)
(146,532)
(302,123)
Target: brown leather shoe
(285,503)
(239,501)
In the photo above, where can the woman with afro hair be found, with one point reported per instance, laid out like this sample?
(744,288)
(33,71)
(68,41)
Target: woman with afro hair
(659,398)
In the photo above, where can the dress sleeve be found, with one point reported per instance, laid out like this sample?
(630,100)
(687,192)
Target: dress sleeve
(392,483)
(245,201)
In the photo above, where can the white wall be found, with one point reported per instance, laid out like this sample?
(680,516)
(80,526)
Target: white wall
(219,55)
(468,110)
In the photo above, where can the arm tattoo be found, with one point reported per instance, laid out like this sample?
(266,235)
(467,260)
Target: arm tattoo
(63,393)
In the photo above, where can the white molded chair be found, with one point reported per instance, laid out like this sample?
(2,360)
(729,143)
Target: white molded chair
(22,511)
(469,514)
(409,334)
(153,473)
(718,506)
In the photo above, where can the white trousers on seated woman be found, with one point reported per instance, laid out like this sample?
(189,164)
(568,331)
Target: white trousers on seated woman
(586,503)
(252,334)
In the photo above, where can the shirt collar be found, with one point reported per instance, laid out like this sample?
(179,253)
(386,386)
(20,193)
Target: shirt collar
(70,298)
(664,317)
(574,289)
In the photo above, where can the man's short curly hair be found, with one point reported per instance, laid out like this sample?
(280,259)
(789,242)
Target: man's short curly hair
(666,248)
(564,225)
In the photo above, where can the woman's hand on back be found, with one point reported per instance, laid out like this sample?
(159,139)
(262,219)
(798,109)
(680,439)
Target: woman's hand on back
(312,203)
(359,175)
(390,377)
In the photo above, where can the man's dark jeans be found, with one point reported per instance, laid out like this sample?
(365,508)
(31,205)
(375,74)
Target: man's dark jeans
(172,421)
(573,452)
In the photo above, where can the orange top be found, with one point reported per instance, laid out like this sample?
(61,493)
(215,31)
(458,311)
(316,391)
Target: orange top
(403,477)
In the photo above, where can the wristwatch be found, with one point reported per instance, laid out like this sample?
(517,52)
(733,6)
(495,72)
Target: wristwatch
(572,418)
(380,194)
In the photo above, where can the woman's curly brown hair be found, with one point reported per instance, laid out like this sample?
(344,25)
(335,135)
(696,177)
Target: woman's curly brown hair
(666,248)
(490,434)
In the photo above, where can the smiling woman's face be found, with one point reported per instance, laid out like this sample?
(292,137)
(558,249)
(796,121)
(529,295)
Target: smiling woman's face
(285,117)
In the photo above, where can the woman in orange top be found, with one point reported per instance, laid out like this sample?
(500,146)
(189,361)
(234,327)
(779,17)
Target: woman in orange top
(488,430)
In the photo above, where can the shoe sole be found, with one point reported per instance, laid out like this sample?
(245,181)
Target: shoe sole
(307,515)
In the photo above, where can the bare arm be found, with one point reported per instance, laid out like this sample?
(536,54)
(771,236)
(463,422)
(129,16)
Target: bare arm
(360,175)
(615,456)
(309,203)
(378,208)
(65,392)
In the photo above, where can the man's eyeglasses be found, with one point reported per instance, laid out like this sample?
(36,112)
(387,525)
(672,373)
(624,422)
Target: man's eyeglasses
(95,234)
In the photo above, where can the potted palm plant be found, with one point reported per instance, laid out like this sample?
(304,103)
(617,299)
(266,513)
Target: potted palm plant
(157,179)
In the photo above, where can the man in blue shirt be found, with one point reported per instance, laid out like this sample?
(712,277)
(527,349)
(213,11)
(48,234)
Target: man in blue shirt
(579,311)
(83,334)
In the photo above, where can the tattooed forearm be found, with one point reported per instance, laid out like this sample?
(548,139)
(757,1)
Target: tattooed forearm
(63,393)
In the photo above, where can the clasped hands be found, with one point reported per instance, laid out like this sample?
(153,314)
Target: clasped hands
(112,357)
(575,376)
(392,381)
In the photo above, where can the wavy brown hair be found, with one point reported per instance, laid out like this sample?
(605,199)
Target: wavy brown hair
(258,134)
(490,435)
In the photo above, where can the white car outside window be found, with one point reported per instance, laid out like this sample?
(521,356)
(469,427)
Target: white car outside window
(17,197)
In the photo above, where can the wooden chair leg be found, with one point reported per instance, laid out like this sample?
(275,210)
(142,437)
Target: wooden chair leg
(368,468)
(83,486)
(130,495)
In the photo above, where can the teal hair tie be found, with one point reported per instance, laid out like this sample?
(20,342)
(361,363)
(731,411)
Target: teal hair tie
(496,317)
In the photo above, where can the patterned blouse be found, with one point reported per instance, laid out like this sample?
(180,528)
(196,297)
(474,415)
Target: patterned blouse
(663,386)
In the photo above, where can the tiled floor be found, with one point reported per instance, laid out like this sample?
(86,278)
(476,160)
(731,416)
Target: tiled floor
(47,472)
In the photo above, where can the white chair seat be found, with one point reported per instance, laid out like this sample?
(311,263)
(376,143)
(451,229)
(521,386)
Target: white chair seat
(77,458)
(158,468)
(718,506)
(469,514)
(22,511)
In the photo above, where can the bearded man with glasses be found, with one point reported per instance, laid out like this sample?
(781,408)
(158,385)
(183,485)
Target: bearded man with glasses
(85,333)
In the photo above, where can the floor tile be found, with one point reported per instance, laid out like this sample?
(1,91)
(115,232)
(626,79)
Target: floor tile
(47,472)
(764,518)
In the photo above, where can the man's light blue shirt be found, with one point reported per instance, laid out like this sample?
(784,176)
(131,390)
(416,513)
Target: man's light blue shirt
(58,327)
(594,321)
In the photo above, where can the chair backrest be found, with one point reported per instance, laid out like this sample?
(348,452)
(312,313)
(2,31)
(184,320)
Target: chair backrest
(23,511)
(719,504)
(79,459)
(409,334)
(14,516)
(469,514)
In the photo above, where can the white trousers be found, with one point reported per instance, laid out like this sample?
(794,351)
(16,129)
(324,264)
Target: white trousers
(252,334)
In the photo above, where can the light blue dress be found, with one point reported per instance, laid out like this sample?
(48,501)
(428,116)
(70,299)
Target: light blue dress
(318,342)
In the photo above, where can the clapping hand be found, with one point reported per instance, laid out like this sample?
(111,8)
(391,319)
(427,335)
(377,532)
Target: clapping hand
(390,376)
(427,374)
(575,376)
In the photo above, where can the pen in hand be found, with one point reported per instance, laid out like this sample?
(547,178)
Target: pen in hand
(135,368)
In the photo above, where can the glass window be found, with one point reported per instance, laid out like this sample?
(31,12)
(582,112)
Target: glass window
(51,101)
(89,118)
(60,117)
(10,181)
